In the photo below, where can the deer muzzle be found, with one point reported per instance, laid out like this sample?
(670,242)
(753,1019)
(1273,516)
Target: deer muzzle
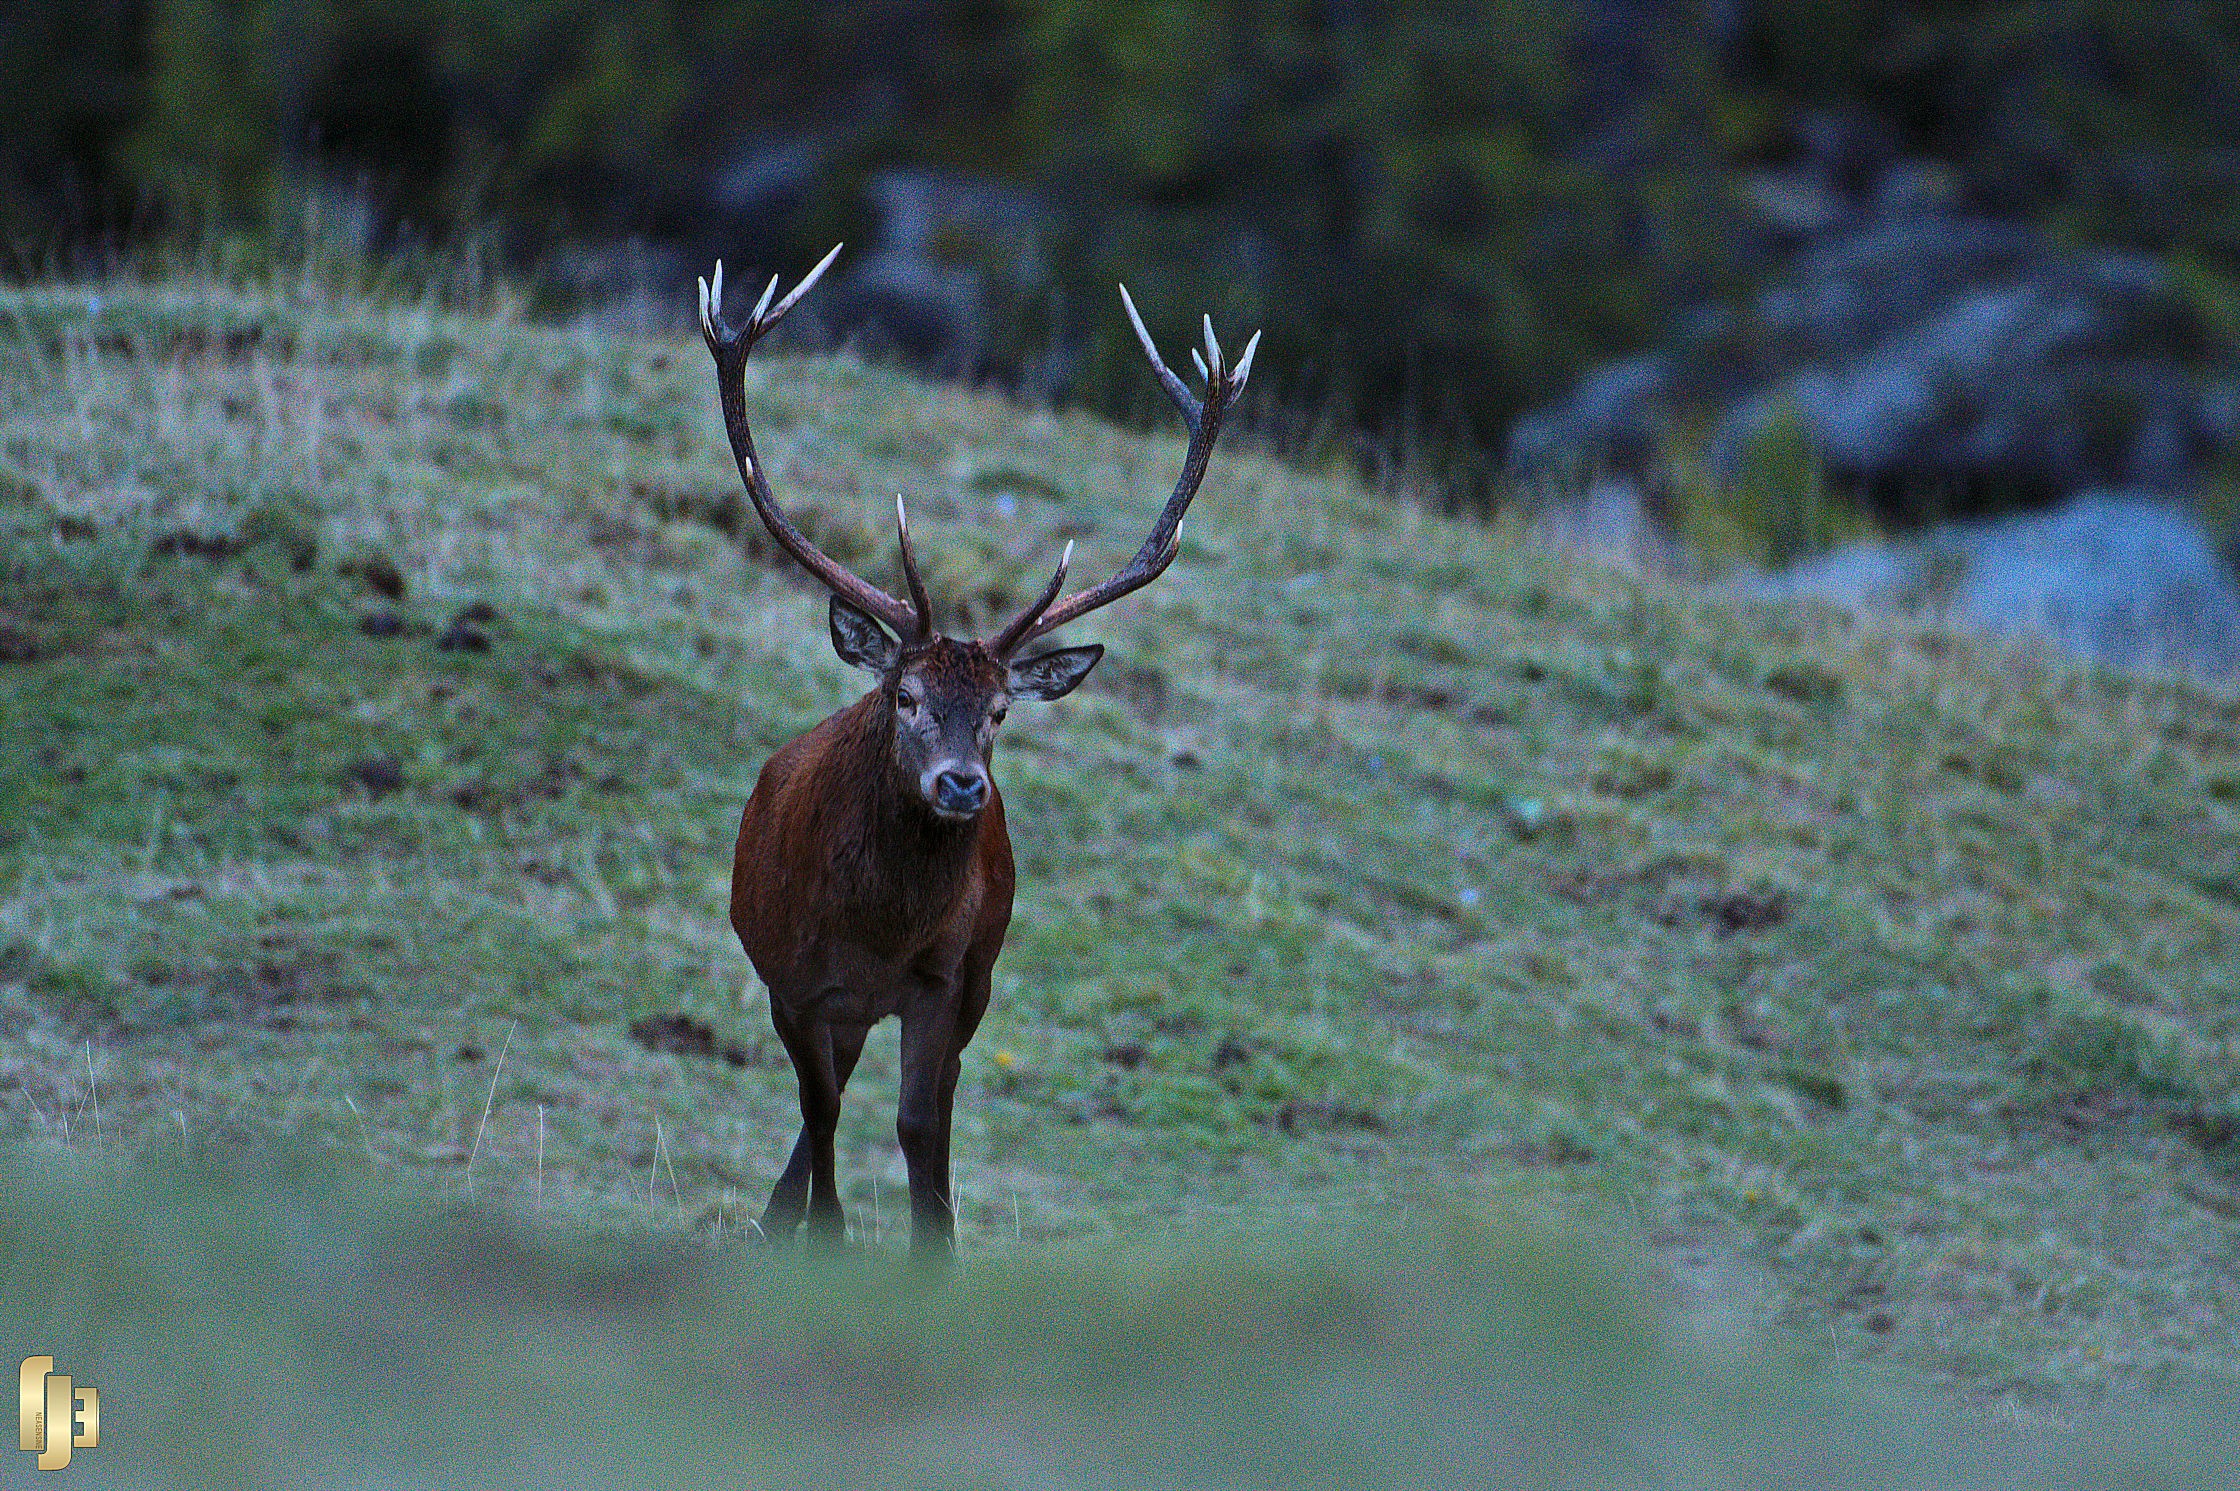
(956,791)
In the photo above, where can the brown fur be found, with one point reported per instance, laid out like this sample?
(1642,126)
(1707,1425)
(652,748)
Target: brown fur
(855,901)
(842,878)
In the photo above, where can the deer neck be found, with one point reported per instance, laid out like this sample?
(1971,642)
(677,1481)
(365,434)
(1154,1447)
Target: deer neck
(897,861)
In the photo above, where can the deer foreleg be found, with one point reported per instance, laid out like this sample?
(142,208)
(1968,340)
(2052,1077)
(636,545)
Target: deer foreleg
(789,1198)
(952,1067)
(809,1042)
(922,1127)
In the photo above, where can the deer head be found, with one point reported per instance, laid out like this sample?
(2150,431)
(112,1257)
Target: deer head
(944,698)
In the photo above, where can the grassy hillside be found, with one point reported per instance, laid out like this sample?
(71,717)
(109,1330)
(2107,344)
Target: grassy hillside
(381,687)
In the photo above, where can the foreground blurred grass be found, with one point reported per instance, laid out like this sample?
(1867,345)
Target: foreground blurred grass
(1882,979)
(308,1327)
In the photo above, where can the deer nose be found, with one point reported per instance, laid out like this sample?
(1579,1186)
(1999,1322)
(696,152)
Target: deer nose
(960,791)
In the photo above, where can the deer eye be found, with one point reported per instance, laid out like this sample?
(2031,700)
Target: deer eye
(906,701)
(995,715)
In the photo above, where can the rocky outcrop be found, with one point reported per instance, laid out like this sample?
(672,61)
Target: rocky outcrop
(1955,355)
(1939,364)
(949,248)
(948,253)
(1937,360)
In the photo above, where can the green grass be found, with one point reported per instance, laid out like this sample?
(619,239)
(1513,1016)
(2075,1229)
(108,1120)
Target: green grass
(1880,982)
(289,1324)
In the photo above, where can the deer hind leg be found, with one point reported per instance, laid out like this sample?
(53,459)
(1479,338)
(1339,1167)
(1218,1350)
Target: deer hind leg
(811,1044)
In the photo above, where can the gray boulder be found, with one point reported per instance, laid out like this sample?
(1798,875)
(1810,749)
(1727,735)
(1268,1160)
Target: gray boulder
(2069,372)
(1860,577)
(2119,577)
(1615,412)
(950,249)
(2108,575)
(1610,521)
(1932,357)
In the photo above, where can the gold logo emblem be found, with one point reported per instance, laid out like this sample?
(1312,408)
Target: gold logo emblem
(55,1415)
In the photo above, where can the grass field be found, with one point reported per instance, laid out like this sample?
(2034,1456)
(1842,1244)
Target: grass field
(290,1324)
(381,685)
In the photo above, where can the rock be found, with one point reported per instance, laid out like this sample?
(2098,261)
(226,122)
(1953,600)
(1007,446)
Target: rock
(1937,360)
(924,214)
(1860,576)
(2119,577)
(949,248)
(2109,575)
(1851,291)
(1862,419)
(767,178)
(1615,413)
(2040,386)
(932,314)
(1793,204)
(1611,522)
(1910,186)
(1846,148)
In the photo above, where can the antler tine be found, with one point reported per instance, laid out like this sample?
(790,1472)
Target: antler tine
(1158,551)
(1175,387)
(730,346)
(764,315)
(910,572)
(1011,636)
(793,297)
(1244,363)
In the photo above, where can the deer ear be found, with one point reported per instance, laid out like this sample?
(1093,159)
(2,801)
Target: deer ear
(1053,675)
(859,640)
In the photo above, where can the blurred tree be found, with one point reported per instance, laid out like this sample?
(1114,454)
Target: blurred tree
(208,140)
(1451,223)
(2119,121)
(73,78)
(1442,210)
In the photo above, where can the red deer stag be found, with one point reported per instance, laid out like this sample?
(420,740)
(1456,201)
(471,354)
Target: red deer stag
(873,875)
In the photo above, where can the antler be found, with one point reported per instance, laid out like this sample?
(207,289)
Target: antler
(911,620)
(1223,384)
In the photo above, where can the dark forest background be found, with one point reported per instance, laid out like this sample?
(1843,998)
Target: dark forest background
(1444,214)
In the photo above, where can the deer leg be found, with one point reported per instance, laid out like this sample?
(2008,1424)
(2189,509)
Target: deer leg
(921,1125)
(932,1059)
(789,1198)
(945,1103)
(809,1043)
(974,984)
